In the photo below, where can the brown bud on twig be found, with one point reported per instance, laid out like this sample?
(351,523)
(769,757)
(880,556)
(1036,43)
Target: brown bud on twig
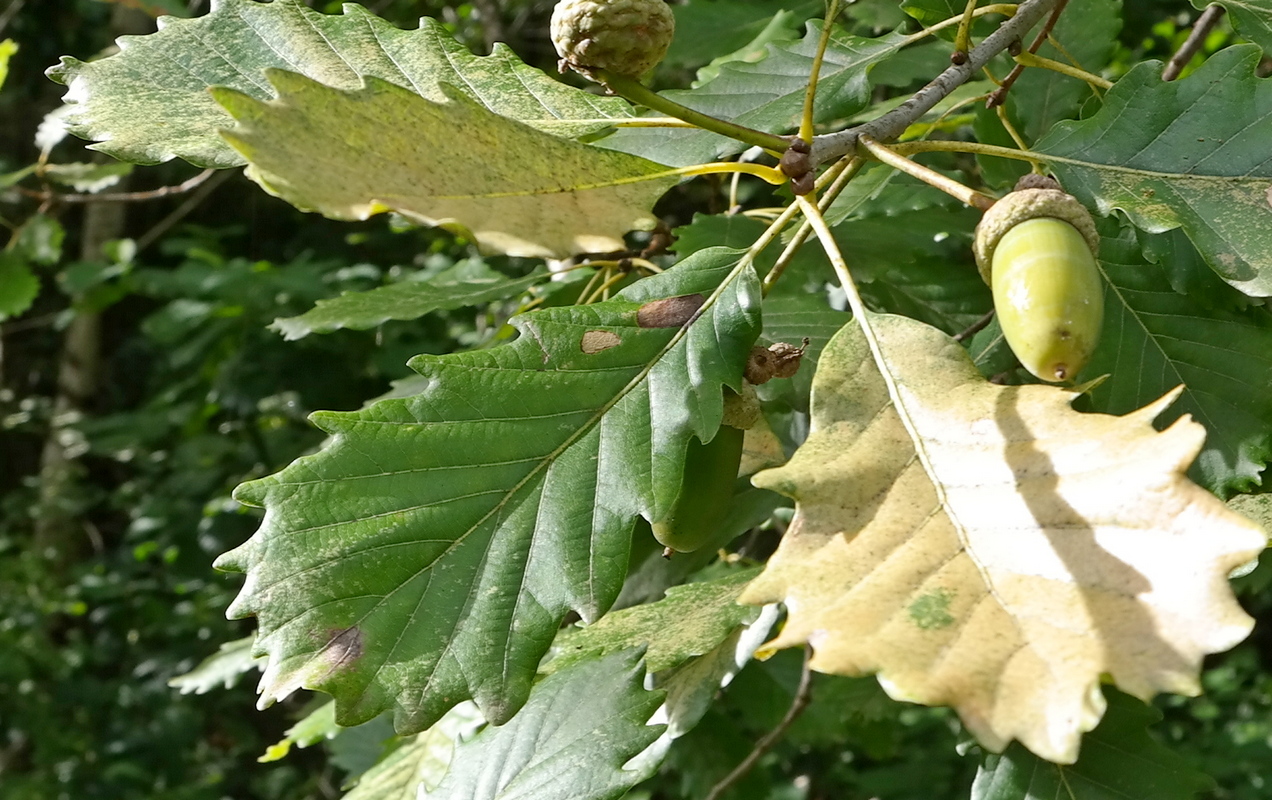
(795,161)
(778,360)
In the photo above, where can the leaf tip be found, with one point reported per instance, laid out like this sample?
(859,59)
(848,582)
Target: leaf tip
(64,71)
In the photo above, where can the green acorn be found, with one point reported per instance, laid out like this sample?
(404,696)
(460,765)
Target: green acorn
(1036,249)
(626,37)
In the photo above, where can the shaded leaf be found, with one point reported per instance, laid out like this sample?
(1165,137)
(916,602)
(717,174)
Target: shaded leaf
(570,741)
(18,285)
(222,669)
(1251,18)
(316,726)
(767,95)
(468,283)
(1088,31)
(87,177)
(879,190)
(352,154)
(708,29)
(499,498)
(423,761)
(692,687)
(150,103)
(1194,153)
(1119,761)
(692,620)
(1155,339)
(988,548)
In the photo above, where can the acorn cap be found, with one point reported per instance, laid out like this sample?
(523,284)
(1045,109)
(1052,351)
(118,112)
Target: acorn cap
(626,37)
(1025,204)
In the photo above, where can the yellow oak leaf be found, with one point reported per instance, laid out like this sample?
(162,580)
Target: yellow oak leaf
(991,549)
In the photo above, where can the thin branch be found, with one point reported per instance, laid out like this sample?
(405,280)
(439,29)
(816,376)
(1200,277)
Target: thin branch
(183,210)
(963,39)
(810,94)
(976,327)
(633,90)
(999,95)
(834,179)
(10,13)
(122,197)
(929,176)
(803,696)
(892,124)
(1201,29)
(1034,60)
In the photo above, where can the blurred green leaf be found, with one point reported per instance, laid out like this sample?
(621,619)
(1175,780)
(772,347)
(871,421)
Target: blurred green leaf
(18,285)
(222,669)
(468,283)
(1119,761)
(87,177)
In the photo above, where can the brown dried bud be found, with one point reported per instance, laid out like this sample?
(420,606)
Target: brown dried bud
(778,360)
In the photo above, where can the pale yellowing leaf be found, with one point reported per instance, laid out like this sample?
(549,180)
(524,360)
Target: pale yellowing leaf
(349,154)
(991,549)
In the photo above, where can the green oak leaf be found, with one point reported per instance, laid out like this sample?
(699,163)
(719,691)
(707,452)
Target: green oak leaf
(149,103)
(468,283)
(1251,18)
(767,95)
(689,622)
(1119,761)
(1088,32)
(570,742)
(430,551)
(710,29)
(1184,154)
(516,190)
(1155,339)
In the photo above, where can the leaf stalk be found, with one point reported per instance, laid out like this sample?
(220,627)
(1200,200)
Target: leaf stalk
(966,194)
(633,90)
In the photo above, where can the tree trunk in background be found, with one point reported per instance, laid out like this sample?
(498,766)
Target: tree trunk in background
(61,534)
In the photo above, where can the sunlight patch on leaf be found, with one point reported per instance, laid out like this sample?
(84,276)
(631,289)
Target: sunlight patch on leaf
(352,154)
(150,102)
(993,550)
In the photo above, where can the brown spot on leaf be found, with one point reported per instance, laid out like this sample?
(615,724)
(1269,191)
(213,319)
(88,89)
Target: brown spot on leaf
(596,341)
(670,312)
(342,649)
(1269,195)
